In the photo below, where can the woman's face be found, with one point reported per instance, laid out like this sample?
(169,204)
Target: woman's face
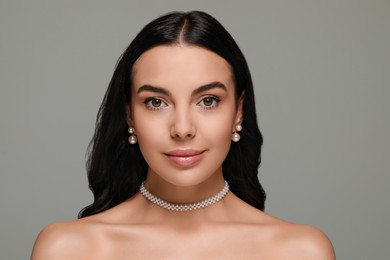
(183,109)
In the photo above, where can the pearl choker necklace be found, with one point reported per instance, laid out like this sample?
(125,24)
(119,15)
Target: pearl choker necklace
(184,207)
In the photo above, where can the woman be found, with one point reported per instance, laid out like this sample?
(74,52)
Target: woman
(174,159)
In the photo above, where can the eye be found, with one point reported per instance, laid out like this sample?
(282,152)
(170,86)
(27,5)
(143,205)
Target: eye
(154,103)
(209,102)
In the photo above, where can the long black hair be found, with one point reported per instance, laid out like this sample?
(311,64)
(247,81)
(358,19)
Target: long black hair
(116,168)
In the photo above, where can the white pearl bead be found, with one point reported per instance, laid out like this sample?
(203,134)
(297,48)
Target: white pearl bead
(132,139)
(236,137)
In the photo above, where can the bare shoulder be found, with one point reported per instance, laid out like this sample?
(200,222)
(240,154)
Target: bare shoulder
(62,240)
(305,242)
(274,238)
(294,241)
(79,239)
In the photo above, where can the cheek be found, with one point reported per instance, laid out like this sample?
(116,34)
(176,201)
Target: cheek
(150,130)
(217,132)
(151,140)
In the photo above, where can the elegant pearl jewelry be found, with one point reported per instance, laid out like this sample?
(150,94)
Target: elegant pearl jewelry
(132,138)
(184,207)
(236,136)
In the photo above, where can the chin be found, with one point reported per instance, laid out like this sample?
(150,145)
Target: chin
(189,177)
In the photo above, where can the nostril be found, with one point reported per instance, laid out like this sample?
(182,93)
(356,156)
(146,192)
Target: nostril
(183,126)
(183,132)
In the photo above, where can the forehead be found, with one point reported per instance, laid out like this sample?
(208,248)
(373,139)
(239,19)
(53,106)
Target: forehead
(174,65)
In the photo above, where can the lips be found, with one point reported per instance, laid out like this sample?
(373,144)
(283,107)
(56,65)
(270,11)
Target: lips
(185,157)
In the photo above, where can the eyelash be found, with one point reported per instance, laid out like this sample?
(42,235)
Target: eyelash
(148,103)
(213,98)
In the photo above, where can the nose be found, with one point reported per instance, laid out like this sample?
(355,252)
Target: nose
(182,127)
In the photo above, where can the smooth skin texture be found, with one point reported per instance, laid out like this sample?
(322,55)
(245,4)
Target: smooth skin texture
(183,97)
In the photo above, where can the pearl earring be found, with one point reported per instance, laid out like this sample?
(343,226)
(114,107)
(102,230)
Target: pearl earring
(236,136)
(132,138)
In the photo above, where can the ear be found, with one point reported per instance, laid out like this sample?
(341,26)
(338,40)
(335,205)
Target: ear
(129,120)
(239,112)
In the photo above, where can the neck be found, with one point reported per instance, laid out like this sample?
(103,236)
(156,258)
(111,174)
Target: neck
(185,191)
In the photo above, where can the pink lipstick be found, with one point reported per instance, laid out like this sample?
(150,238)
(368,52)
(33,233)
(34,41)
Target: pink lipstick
(185,157)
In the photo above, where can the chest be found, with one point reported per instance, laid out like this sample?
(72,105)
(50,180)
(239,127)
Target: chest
(186,245)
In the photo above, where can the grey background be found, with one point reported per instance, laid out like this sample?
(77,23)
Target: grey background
(322,75)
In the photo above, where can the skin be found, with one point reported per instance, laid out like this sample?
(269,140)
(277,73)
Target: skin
(171,110)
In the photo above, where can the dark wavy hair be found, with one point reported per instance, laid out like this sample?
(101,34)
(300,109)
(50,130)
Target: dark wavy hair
(116,168)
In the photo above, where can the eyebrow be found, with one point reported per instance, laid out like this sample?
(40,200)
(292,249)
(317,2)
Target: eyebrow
(209,86)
